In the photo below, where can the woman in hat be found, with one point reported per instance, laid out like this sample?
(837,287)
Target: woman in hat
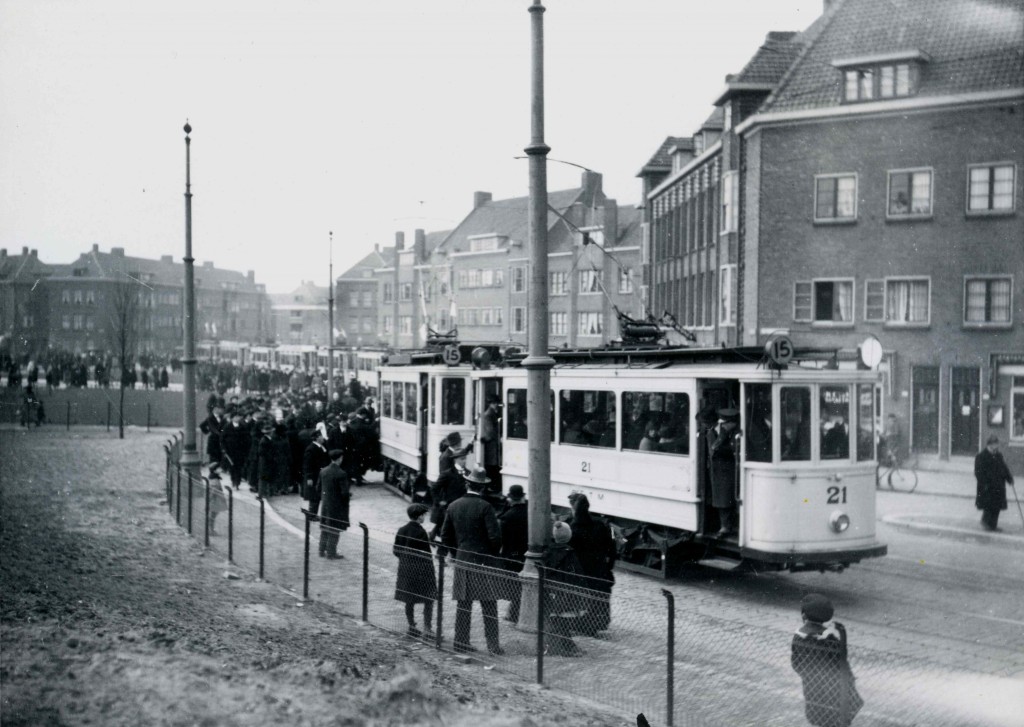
(416,581)
(563,605)
(819,657)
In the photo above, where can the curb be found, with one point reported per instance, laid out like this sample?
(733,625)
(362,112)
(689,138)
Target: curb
(913,524)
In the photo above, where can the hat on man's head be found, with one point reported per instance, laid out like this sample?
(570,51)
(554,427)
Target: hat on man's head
(454,438)
(729,415)
(561,532)
(363,413)
(478,476)
(816,607)
(992,439)
(268,427)
(336,453)
(515,492)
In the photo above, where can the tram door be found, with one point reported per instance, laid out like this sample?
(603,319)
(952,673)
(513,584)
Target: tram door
(713,396)
(488,414)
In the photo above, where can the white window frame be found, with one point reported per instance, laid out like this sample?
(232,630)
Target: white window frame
(868,294)
(519,279)
(594,275)
(385,325)
(908,324)
(726,296)
(856,201)
(626,286)
(518,319)
(988,324)
(563,319)
(589,316)
(405,325)
(910,214)
(990,212)
(729,203)
(1018,389)
(812,317)
(563,288)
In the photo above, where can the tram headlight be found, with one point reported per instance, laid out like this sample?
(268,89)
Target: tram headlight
(839,521)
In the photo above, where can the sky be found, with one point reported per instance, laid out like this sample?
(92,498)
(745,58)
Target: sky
(318,116)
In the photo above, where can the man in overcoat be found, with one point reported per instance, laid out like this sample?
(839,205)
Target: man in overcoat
(514,522)
(314,459)
(335,489)
(450,485)
(993,476)
(722,452)
(471,531)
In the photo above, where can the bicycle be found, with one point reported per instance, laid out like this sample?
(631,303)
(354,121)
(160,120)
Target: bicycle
(900,473)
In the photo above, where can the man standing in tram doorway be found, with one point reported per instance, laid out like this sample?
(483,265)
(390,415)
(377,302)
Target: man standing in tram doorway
(993,476)
(723,471)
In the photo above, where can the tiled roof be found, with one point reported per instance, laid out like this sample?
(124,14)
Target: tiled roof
(771,60)
(716,121)
(24,268)
(307,293)
(971,45)
(105,264)
(662,161)
(629,226)
(508,217)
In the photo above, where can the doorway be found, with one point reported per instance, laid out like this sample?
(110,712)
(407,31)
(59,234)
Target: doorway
(925,409)
(964,415)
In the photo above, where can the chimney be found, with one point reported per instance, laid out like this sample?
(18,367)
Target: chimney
(95,247)
(35,253)
(250,275)
(611,223)
(399,241)
(376,247)
(117,251)
(166,258)
(24,251)
(591,184)
(420,245)
(3,254)
(480,199)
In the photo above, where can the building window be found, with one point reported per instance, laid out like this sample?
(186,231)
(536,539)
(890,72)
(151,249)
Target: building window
(27,321)
(79,296)
(519,279)
(76,322)
(730,202)
(991,188)
(65,297)
(835,198)
(295,314)
(907,301)
(388,294)
(558,324)
(888,81)
(910,193)
(727,295)
(406,325)
(987,301)
(366,325)
(590,324)
(823,301)
(874,300)
(90,323)
(590,281)
(626,281)
(519,320)
(1017,409)
(386,324)
(90,297)
(353,299)
(406,291)
(65,323)
(558,283)
(367,298)
(483,244)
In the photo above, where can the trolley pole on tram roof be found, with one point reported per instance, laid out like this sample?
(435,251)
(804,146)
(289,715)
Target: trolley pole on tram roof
(538,363)
(330,322)
(190,460)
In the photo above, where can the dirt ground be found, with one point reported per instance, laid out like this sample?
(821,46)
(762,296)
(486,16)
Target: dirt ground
(112,615)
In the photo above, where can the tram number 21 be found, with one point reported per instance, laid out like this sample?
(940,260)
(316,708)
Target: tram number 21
(836,495)
(584,466)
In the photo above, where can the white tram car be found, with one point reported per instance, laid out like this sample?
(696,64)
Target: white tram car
(627,432)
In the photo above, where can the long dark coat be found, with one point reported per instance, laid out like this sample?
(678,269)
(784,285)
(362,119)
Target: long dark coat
(723,468)
(235,443)
(314,459)
(335,490)
(416,581)
(472,532)
(819,657)
(993,475)
(282,462)
(212,427)
(515,536)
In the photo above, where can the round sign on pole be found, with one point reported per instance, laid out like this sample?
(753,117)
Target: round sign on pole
(779,349)
(871,352)
(452,357)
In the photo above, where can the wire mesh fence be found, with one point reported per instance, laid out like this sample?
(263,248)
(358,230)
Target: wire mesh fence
(634,650)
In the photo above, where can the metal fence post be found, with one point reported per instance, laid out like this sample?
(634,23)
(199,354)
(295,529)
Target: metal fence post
(366,571)
(177,498)
(206,530)
(440,599)
(189,502)
(541,579)
(670,687)
(263,509)
(305,558)
(231,525)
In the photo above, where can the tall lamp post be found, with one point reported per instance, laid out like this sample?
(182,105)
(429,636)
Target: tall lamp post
(189,455)
(330,321)
(537,363)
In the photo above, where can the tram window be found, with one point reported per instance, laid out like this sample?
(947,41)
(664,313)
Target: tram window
(386,400)
(453,401)
(834,415)
(759,423)
(588,418)
(656,421)
(433,400)
(398,397)
(410,402)
(795,402)
(865,422)
(515,414)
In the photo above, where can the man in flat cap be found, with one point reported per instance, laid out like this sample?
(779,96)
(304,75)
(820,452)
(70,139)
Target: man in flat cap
(335,489)
(723,471)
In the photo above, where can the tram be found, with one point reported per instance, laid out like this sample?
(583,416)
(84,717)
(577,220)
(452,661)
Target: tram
(631,431)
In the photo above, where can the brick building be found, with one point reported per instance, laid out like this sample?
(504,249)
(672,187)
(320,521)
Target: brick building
(24,303)
(301,316)
(357,300)
(869,185)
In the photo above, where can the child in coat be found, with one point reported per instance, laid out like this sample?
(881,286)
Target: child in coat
(416,581)
(819,657)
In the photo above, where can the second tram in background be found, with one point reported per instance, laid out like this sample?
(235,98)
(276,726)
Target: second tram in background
(626,432)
